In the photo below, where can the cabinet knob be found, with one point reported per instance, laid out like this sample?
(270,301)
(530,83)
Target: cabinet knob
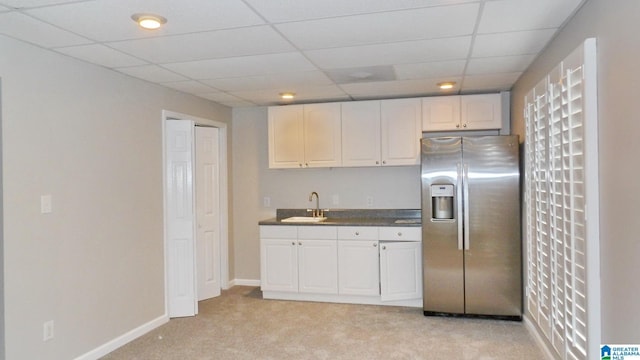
(399,233)
(384,248)
(293,243)
(465,125)
(300,165)
(357,233)
(384,162)
(306,164)
(375,245)
(457,125)
(299,242)
(377,162)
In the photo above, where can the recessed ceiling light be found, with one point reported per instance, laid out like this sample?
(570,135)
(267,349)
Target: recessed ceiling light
(149,21)
(446,85)
(287,95)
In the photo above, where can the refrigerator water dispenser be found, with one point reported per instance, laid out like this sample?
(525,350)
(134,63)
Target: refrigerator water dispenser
(442,202)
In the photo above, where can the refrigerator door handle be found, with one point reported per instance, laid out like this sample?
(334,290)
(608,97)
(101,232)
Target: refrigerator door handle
(465,197)
(459,206)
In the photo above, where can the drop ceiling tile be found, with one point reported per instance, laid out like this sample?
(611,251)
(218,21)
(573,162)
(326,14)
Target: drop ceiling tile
(503,64)
(287,10)
(427,23)
(286,80)
(489,82)
(206,45)
(153,73)
(101,55)
(512,43)
(23,4)
(510,15)
(400,88)
(108,20)
(4,8)
(391,54)
(26,28)
(242,66)
(190,86)
(226,99)
(430,69)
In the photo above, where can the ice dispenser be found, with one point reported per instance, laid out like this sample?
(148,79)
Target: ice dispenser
(442,202)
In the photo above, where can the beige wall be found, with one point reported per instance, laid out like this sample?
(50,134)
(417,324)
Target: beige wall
(91,138)
(391,187)
(615,26)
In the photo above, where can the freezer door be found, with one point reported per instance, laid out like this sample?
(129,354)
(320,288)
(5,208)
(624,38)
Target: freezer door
(443,276)
(493,270)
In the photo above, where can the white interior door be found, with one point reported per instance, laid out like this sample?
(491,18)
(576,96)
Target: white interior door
(207,175)
(180,218)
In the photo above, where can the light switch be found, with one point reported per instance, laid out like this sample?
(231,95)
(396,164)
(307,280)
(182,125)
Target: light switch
(45,204)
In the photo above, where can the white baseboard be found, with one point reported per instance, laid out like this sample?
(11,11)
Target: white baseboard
(542,344)
(244,282)
(108,347)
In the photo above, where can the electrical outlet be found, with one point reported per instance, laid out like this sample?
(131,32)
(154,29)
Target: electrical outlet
(47,330)
(45,204)
(266,201)
(369,201)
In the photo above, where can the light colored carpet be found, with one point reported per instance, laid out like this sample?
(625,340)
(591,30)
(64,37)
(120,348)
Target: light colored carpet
(241,325)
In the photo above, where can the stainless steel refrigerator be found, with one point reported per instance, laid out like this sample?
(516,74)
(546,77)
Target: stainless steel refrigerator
(471,241)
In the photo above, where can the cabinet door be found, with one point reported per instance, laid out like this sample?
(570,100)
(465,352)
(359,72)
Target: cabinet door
(400,271)
(441,113)
(481,112)
(285,127)
(279,265)
(322,139)
(318,266)
(401,130)
(361,133)
(358,267)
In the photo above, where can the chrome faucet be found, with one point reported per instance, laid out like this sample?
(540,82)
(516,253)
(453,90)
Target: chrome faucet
(316,212)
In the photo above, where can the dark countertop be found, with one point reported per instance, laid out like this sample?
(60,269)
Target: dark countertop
(352,217)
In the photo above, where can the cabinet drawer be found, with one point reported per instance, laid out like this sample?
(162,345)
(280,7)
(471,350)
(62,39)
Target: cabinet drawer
(399,233)
(358,233)
(278,232)
(318,232)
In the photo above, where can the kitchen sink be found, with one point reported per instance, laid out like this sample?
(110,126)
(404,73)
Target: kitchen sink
(304,219)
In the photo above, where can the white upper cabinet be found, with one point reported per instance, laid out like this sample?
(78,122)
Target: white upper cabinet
(361,133)
(286,136)
(466,112)
(304,136)
(371,133)
(322,139)
(441,113)
(480,112)
(400,131)
(381,133)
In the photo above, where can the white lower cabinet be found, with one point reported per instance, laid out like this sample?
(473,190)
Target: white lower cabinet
(299,259)
(400,271)
(318,266)
(358,261)
(351,264)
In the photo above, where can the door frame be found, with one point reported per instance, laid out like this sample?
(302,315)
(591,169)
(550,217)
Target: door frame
(224,201)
